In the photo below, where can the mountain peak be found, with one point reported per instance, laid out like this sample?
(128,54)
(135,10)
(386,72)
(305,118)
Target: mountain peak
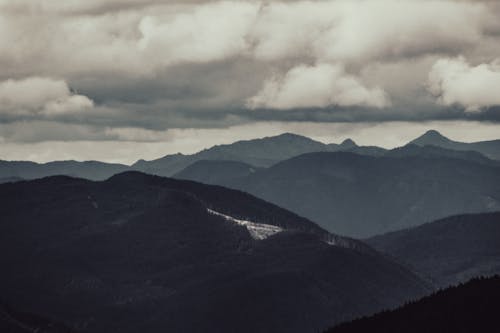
(288,135)
(433,133)
(431,138)
(348,143)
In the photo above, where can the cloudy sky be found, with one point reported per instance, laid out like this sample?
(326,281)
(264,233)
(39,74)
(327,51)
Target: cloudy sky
(119,80)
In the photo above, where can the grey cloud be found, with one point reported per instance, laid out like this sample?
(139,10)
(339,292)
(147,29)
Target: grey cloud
(148,66)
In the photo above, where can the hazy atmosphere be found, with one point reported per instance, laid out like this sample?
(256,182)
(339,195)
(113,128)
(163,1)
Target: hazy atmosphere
(119,80)
(249,166)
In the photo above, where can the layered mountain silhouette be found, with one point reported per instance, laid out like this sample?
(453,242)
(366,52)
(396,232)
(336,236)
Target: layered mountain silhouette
(257,153)
(30,170)
(263,152)
(144,253)
(362,196)
(450,250)
(472,307)
(490,149)
(439,152)
(216,172)
(322,187)
(10,180)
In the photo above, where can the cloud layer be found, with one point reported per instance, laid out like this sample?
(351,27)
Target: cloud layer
(127,70)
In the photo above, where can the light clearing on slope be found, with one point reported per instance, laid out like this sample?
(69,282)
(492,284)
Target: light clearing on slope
(258,231)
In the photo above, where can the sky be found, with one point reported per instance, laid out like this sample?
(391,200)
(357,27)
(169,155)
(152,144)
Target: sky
(120,80)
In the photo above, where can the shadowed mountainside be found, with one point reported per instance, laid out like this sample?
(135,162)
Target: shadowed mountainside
(468,308)
(448,251)
(362,196)
(144,253)
(14,321)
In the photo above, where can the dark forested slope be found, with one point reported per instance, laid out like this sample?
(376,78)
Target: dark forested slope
(448,251)
(469,308)
(144,253)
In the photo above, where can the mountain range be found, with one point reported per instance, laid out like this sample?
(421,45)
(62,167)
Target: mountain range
(258,153)
(362,196)
(229,244)
(327,183)
(143,253)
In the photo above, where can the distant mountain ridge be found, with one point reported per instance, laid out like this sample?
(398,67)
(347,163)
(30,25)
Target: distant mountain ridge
(215,172)
(429,151)
(490,149)
(93,170)
(258,153)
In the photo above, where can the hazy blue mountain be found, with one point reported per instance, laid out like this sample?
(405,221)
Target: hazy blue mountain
(10,180)
(490,149)
(450,250)
(468,308)
(436,152)
(215,172)
(89,169)
(347,144)
(258,153)
(140,253)
(362,196)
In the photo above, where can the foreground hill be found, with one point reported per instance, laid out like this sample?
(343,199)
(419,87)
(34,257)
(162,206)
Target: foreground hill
(15,321)
(361,196)
(469,308)
(450,250)
(144,253)
(490,149)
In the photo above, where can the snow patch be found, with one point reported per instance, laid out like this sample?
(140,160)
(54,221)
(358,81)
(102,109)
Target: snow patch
(258,231)
(335,240)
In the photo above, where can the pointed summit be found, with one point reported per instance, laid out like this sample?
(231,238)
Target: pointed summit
(431,138)
(348,144)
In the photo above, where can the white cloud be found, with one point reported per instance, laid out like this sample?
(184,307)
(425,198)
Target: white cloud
(200,35)
(455,81)
(317,86)
(42,96)
(366,30)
